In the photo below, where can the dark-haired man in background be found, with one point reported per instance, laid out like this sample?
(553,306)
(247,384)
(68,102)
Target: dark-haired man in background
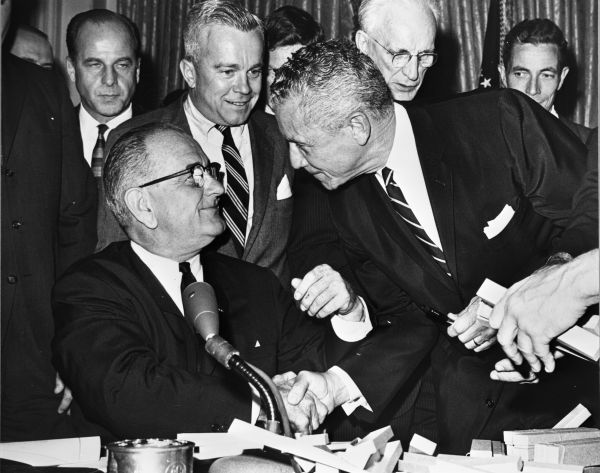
(287,29)
(535,63)
(33,46)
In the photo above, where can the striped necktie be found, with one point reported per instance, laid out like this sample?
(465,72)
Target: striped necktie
(98,152)
(403,209)
(235,206)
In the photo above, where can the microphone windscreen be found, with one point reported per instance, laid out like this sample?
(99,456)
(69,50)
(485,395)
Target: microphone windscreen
(200,308)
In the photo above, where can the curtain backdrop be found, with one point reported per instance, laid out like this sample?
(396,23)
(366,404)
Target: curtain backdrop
(460,43)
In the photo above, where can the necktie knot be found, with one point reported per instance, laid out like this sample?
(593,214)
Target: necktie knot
(224,129)
(102,129)
(187,277)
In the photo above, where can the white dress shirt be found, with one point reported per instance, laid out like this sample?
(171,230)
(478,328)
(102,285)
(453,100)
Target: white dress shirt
(404,162)
(210,140)
(88,127)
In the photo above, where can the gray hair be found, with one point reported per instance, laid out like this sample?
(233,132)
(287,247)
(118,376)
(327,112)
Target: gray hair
(368,9)
(128,165)
(215,12)
(333,79)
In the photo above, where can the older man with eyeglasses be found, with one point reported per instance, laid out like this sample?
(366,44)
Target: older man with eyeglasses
(122,344)
(399,36)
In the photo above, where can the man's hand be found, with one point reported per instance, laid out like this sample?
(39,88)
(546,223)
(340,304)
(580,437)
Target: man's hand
(505,371)
(474,334)
(326,388)
(323,292)
(307,414)
(67,399)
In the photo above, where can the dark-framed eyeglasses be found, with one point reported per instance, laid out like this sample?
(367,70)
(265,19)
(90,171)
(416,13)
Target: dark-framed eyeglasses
(196,170)
(401,58)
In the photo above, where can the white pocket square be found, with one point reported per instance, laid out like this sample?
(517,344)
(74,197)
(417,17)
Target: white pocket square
(284,191)
(496,225)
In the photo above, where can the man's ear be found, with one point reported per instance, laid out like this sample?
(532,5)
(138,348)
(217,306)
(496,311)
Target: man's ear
(502,72)
(563,76)
(71,69)
(361,40)
(360,127)
(138,202)
(188,71)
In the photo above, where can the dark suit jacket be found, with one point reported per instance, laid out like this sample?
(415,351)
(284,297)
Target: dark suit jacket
(48,222)
(269,234)
(582,132)
(136,366)
(478,153)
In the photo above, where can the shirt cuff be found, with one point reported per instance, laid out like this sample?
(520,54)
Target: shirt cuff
(355,396)
(349,331)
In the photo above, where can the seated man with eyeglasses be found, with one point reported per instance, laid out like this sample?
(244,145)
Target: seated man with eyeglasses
(122,343)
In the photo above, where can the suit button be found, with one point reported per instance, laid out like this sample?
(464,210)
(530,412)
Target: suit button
(8,172)
(16,224)
(12,279)
(215,427)
(490,403)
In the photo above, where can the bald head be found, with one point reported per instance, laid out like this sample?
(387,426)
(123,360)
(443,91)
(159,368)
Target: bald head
(389,27)
(33,46)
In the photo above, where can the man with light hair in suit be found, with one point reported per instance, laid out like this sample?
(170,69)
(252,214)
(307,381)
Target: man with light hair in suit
(399,36)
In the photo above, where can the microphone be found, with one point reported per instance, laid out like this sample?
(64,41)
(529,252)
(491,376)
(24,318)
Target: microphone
(200,309)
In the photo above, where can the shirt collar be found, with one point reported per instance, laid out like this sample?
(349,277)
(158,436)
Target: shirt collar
(89,122)
(204,125)
(167,271)
(553,111)
(402,134)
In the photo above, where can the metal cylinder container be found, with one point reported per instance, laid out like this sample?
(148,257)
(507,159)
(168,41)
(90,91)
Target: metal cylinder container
(150,456)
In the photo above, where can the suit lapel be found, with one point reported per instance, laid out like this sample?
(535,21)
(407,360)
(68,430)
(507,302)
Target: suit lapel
(438,180)
(14,102)
(391,224)
(262,164)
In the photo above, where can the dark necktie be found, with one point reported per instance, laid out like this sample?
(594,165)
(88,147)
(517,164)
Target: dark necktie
(235,206)
(98,152)
(403,209)
(187,277)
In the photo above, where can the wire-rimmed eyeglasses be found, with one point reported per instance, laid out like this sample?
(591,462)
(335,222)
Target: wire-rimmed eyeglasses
(401,58)
(196,170)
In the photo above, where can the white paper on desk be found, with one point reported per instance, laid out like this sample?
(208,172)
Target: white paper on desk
(290,445)
(216,445)
(52,452)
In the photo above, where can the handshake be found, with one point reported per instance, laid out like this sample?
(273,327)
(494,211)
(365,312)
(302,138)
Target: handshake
(309,397)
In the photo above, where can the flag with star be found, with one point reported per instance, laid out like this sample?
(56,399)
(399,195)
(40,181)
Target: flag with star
(489,77)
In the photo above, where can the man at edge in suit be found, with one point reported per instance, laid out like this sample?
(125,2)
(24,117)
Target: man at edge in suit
(222,67)
(122,344)
(485,200)
(48,223)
